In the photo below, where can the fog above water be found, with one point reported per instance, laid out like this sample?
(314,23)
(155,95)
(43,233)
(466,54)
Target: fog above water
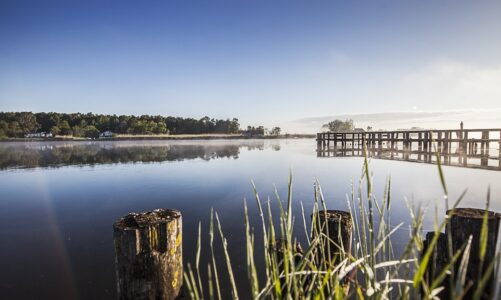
(58,154)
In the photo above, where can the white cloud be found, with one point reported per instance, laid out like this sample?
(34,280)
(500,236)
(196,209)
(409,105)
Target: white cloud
(474,118)
(440,94)
(449,85)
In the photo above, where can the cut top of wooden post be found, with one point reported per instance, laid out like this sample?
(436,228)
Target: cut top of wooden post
(338,225)
(148,255)
(149,230)
(473,213)
(157,216)
(336,216)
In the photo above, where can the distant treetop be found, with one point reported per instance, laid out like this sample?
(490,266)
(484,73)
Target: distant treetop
(340,126)
(17,124)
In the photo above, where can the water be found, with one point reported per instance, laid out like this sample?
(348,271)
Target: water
(59,200)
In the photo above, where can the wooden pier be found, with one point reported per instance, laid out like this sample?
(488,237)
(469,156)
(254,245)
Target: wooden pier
(466,147)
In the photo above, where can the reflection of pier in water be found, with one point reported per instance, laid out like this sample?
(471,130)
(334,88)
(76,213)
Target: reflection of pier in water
(472,148)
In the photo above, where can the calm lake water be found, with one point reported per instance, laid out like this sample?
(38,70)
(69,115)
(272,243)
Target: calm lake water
(58,200)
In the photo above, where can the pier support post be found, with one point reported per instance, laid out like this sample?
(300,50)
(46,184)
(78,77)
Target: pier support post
(465,148)
(499,150)
(425,141)
(148,255)
(487,143)
(439,142)
(446,142)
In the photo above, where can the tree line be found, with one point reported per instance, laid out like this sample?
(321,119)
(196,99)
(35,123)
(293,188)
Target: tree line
(17,124)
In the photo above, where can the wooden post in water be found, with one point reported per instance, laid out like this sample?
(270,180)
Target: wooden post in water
(465,148)
(482,143)
(338,226)
(425,141)
(439,142)
(499,150)
(446,142)
(466,222)
(438,261)
(148,255)
(319,144)
(392,143)
(280,246)
(409,140)
(487,143)
(484,160)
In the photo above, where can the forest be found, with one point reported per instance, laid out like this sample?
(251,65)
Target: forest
(17,124)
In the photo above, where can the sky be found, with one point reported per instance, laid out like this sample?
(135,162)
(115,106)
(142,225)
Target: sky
(275,63)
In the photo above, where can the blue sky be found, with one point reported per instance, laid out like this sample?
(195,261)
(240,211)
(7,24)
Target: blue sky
(264,62)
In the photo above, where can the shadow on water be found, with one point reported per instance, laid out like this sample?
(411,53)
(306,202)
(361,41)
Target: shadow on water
(34,155)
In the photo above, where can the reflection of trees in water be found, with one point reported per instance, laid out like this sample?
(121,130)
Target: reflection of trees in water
(39,155)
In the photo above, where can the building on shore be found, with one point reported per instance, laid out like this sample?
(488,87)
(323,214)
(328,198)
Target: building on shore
(38,135)
(106,134)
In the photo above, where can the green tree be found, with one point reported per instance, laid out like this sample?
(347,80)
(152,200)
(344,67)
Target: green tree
(65,128)
(27,122)
(16,124)
(55,130)
(233,126)
(160,128)
(340,126)
(275,131)
(15,130)
(77,131)
(90,131)
(4,129)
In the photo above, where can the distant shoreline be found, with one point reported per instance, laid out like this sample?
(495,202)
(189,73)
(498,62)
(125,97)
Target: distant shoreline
(179,137)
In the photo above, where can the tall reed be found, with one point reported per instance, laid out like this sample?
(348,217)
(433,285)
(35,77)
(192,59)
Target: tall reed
(371,270)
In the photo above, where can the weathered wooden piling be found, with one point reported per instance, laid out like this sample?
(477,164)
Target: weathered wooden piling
(148,255)
(463,224)
(280,247)
(438,261)
(338,226)
(466,222)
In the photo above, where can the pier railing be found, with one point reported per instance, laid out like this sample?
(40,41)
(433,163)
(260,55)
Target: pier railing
(468,147)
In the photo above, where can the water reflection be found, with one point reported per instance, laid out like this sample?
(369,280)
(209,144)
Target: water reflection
(57,221)
(449,157)
(32,155)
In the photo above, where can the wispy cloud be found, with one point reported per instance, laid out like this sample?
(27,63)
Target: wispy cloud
(450,85)
(473,118)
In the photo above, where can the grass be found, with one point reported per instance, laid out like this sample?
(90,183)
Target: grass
(325,269)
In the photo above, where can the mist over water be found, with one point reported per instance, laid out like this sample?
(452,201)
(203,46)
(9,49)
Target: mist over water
(59,200)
